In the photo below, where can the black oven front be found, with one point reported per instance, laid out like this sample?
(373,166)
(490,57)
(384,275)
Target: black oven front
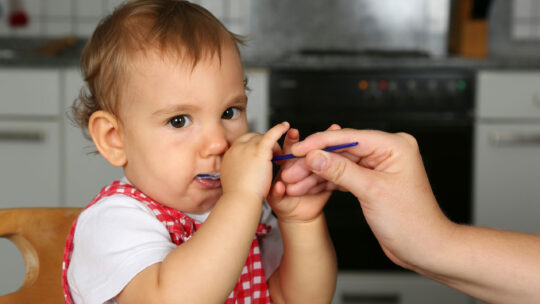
(435,106)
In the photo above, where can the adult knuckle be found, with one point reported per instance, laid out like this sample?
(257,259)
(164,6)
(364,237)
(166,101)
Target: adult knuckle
(409,140)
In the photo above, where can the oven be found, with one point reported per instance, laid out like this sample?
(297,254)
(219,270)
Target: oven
(434,105)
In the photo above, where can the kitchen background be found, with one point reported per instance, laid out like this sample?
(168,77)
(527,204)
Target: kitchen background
(53,18)
(461,75)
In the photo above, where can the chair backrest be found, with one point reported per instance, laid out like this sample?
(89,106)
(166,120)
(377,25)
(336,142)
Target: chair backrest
(40,234)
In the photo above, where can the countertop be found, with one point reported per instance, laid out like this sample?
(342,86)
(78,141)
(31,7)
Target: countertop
(348,63)
(40,52)
(20,52)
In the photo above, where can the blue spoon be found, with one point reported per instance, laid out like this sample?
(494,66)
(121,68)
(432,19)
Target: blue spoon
(332,148)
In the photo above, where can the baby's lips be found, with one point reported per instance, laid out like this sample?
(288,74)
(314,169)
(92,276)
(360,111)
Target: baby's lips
(208,175)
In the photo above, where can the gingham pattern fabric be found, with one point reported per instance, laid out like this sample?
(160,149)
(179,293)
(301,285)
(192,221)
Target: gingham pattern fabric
(251,286)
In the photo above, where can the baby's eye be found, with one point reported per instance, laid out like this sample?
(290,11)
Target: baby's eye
(180,121)
(230,113)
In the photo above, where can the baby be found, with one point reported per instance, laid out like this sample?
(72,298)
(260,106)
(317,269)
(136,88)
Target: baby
(188,223)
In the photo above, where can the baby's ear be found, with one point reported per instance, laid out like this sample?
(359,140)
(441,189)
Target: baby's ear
(104,128)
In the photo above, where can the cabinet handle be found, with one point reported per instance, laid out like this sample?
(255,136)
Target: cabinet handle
(499,139)
(32,136)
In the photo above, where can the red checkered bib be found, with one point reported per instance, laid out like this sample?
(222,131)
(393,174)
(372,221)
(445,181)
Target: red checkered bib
(251,286)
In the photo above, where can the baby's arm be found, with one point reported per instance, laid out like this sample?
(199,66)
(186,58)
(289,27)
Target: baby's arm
(206,268)
(308,269)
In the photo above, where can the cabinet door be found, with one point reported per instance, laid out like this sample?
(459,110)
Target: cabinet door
(508,94)
(30,92)
(29,162)
(398,288)
(85,172)
(507,176)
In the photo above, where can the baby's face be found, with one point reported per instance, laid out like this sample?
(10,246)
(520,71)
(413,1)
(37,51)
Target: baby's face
(177,123)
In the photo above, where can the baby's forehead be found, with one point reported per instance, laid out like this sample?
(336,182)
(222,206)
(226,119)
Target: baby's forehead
(155,70)
(179,56)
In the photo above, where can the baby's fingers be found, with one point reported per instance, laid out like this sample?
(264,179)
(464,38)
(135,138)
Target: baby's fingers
(271,137)
(291,138)
(304,186)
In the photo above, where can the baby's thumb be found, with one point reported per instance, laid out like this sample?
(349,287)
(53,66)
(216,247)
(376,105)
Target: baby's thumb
(338,170)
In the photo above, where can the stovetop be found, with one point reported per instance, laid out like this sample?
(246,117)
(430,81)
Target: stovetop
(362,53)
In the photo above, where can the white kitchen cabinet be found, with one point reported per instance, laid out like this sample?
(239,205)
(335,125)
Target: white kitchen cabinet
(507,176)
(29,137)
(257,109)
(30,162)
(507,151)
(393,288)
(85,172)
(30,92)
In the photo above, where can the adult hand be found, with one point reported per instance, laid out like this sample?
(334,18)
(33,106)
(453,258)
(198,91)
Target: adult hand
(385,172)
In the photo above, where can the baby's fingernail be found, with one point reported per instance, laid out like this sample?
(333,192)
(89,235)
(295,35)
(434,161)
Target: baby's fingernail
(317,162)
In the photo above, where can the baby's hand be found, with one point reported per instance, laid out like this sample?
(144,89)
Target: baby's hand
(299,179)
(247,165)
(297,193)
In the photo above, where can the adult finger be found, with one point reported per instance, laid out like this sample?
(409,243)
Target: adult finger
(295,170)
(368,141)
(340,171)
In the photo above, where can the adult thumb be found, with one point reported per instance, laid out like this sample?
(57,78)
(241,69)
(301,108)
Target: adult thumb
(338,170)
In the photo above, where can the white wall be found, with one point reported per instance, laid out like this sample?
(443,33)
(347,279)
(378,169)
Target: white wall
(56,18)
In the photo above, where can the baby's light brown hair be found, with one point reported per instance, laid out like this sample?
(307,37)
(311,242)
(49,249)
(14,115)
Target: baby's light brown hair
(174,28)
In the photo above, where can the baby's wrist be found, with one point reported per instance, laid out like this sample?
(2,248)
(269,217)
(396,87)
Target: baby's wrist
(243,196)
(293,221)
(303,232)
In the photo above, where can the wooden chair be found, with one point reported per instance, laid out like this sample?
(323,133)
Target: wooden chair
(40,234)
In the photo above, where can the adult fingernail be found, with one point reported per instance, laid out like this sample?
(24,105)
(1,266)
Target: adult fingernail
(318,161)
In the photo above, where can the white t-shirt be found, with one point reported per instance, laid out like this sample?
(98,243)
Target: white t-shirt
(119,236)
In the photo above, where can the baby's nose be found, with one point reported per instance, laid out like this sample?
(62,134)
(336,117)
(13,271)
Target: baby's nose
(215,142)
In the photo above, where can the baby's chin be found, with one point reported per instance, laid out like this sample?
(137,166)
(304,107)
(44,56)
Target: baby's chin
(207,203)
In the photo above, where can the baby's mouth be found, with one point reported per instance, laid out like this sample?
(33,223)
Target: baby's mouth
(210,176)
(208,180)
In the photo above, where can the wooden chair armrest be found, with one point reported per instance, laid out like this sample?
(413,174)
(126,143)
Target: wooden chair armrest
(9,229)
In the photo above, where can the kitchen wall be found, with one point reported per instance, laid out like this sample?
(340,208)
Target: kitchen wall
(54,18)
(514,29)
(281,26)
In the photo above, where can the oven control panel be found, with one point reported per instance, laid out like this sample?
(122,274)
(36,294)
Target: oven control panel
(384,90)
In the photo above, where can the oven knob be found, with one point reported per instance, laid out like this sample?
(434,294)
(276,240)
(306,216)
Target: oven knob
(461,85)
(363,85)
